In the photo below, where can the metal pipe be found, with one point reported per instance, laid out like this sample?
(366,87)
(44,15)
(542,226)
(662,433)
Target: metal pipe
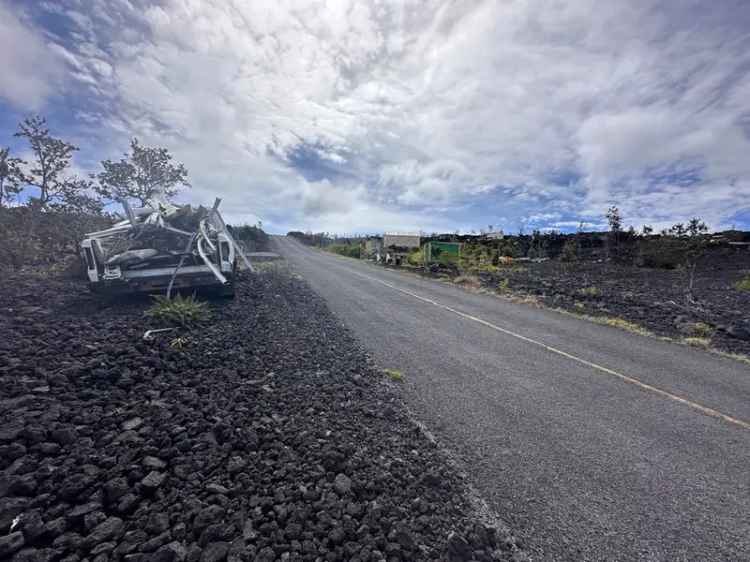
(211,266)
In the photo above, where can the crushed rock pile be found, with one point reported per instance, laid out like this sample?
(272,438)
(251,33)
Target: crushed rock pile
(264,435)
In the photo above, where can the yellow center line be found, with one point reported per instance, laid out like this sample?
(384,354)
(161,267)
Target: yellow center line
(630,380)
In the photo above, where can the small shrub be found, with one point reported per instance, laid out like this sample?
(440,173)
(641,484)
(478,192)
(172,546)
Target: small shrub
(503,286)
(570,250)
(416,258)
(589,292)
(394,374)
(468,280)
(487,267)
(178,311)
(700,329)
(743,284)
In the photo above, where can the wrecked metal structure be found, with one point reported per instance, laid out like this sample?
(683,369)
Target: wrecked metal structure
(371,248)
(397,247)
(161,247)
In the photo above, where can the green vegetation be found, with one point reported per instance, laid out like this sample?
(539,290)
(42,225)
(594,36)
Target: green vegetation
(416,258)
(570,250)
(179,310)
(394,374)
(613,321)
(743,284)
(253,236)
(623,324)
(700,329)
(346,250)
(697,342)
(589,291)
(503,286)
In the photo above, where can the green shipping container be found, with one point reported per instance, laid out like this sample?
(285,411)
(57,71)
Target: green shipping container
(442,251)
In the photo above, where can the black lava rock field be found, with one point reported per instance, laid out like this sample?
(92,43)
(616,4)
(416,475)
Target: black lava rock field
(651,298)
(264,434)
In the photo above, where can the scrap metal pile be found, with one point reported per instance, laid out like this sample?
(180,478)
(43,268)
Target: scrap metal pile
(163,246)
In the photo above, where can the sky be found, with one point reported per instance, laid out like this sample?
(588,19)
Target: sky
(371,116)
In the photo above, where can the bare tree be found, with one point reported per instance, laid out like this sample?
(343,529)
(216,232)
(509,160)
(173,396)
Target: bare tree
(142,173)
(51,160)
(11,176)
(615,228)
(694,242)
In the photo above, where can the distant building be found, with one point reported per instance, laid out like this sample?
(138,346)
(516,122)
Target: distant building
(405,241)
(494,235)
(398,246)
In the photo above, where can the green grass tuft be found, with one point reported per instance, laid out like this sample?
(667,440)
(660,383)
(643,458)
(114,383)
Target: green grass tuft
(701,330)
(589,292)
(743,284)
(394,374)
(178,311)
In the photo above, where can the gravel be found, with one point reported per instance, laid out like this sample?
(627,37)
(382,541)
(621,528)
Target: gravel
(266,435)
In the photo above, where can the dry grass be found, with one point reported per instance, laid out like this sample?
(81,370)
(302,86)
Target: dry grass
(468,281)
(735,356)
(614,322)
(743,284)
(626,325)
(703,343)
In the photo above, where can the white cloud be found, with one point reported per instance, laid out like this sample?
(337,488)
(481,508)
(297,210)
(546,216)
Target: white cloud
(30,70)
(410,109)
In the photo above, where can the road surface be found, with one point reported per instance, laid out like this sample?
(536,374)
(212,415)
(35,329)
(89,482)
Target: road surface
(591,442)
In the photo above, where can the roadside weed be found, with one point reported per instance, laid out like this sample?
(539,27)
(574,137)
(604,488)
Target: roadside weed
(701,330)
(179,310)
(394,374)
(697,342)
(503,286)
(743,284)
(178,343)
(589,291)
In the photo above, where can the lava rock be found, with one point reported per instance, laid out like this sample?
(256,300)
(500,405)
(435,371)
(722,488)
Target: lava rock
(11,543)
(153,480)
(207,516)
(115,489)
(215,552)
(739,330)
(64,435)
(154,463)
(157,523)
(171,552)
(110,528)
(342,484)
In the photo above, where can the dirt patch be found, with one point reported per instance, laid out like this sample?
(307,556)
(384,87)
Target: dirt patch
(266,435)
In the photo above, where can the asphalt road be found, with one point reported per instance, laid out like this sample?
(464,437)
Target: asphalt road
(591,442)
